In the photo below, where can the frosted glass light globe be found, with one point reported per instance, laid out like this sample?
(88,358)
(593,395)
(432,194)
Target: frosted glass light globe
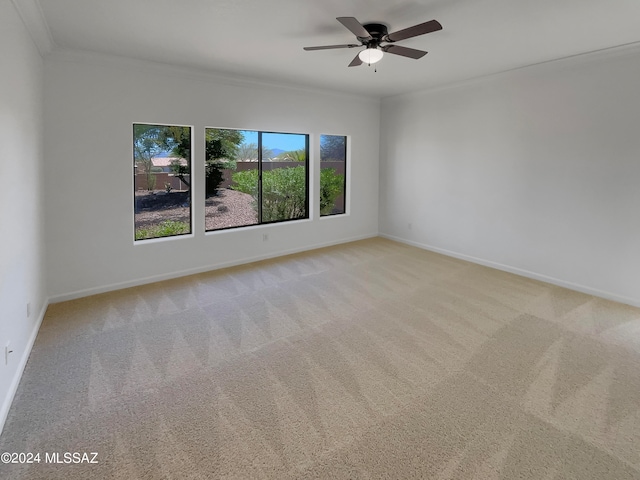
(371,55)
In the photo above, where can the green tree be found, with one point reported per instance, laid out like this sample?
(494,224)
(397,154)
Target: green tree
(181,171)
(248,151)
(177,140)
(147,143)
(222,144)
(333,147)
(151,140)
(221,152)
(295,155)
(267,153)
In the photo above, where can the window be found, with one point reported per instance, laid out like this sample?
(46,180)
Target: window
(333,174)
(255,177)
(162,184)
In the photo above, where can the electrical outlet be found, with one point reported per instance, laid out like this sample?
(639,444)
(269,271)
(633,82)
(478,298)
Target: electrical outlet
(410,226)
(265,237)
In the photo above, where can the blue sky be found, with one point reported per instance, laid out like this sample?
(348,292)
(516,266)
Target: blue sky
(283,141)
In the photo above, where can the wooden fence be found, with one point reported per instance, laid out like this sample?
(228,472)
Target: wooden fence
(163,178)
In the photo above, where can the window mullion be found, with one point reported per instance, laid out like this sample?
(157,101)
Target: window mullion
(259,177)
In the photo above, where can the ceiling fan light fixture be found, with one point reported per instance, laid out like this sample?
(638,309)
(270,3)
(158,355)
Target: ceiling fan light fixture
(371,35)
(371,55)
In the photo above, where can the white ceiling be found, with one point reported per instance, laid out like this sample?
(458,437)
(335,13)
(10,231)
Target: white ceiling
(263,39)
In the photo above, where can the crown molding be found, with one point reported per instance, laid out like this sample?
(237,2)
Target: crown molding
(32,16)
(88,57)
(601,55)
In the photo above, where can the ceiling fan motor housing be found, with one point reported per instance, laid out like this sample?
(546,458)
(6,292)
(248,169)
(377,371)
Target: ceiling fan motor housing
(378,31)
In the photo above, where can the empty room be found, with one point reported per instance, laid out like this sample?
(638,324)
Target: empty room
(324,239)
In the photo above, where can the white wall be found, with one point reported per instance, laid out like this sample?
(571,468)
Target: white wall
(90,105)
(21,219)
(535,171)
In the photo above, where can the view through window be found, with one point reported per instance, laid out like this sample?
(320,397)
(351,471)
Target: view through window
(251,178)
(162,183)
(255,177)
(333,174)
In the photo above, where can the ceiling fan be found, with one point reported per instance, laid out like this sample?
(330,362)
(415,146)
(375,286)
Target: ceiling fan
(372,35)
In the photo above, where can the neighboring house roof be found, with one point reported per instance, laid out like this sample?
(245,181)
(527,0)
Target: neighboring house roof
(167,161)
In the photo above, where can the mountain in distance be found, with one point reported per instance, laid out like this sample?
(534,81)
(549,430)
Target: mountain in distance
(277,151)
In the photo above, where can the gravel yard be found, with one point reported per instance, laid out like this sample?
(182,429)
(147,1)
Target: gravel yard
(229,208)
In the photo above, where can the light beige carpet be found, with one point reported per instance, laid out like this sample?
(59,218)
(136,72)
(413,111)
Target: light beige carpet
(366,360)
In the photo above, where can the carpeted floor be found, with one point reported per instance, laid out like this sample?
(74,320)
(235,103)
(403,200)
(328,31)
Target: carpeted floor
(366,360)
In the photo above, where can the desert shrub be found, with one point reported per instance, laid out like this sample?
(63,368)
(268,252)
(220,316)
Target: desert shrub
(246,182)
(283,194)
(283,191)
(166,228)
(331,186)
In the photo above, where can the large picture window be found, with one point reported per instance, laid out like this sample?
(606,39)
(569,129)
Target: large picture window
(162,184)
(255,177)
(333,174)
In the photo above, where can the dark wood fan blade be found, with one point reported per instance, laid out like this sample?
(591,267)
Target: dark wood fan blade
(404,51)
(355,27)
(356,61)
(327,47)
(421,29)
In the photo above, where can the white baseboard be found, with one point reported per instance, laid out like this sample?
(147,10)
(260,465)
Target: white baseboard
(192,271)
(17,376)
(519,271)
